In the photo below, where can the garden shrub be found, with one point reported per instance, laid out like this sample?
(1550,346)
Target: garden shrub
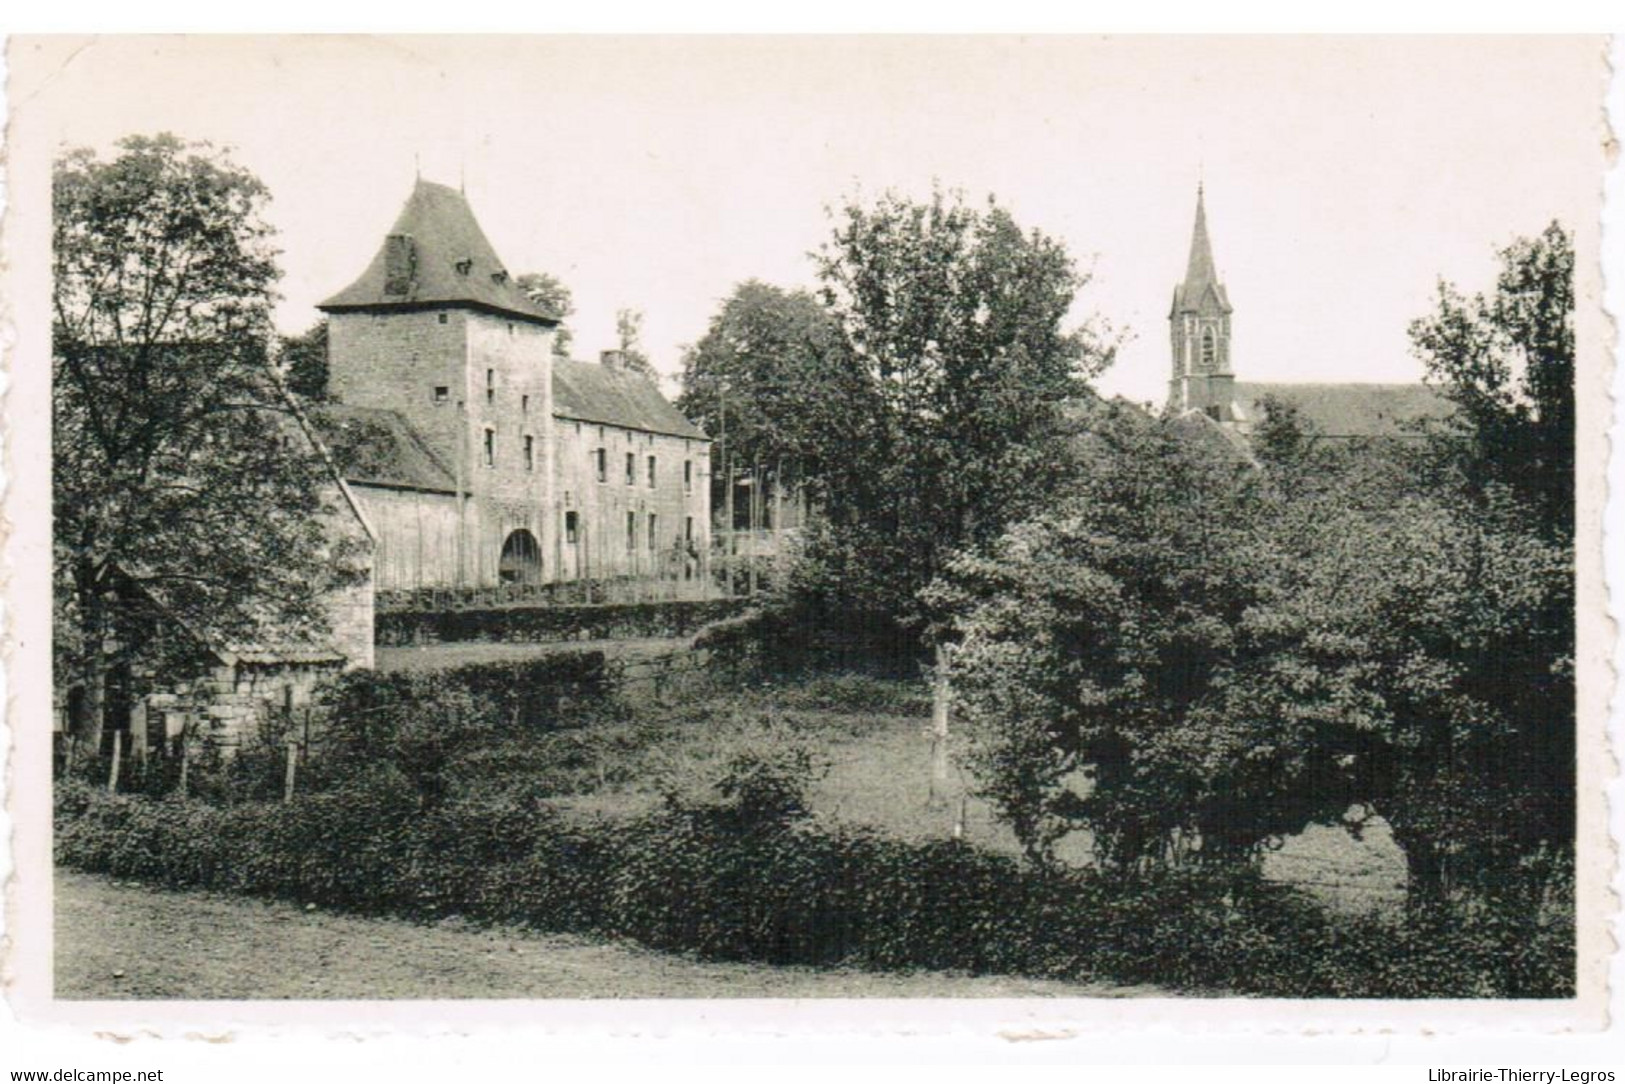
(749,875)
(551,623)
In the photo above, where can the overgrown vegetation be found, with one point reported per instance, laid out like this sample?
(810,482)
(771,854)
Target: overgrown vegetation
(739,870)
(1193,654)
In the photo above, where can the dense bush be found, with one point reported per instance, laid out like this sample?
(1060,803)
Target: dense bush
(748,875)
(551,623)
(794,635)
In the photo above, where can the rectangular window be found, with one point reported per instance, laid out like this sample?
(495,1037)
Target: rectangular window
(688,528)
(631,531)
(441,393)
(653,520)
(571,526)
(631,468)
(442,318)
(490,447)
(530,452)
(601,460)
(688,476)
(524,404)
(490,385)
(651,472)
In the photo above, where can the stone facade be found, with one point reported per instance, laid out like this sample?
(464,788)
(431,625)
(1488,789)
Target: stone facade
(646,514)
(437,342)
(476,387)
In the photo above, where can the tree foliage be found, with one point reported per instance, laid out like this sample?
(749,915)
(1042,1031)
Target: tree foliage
(955,321)
(629,339)
(1506,361)
(1188,660)
(303,360)
(1105,660)
(550,292)
(180,473)
(772,380)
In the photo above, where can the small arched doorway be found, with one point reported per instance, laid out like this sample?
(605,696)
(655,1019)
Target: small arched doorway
(521,558)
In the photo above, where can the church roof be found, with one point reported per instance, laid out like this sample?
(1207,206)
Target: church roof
(1196,427)
(1348,410)
(589,392)
(1200,273)
(378,447)
(444,260)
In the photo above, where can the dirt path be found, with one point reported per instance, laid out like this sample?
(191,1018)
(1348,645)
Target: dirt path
(116,940)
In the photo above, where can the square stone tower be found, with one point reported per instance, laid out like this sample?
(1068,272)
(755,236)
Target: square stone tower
(436,330)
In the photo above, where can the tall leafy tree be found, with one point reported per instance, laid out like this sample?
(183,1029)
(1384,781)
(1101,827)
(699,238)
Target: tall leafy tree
(956,319)
(1506,360)
(303,360)
(180,472)
(550,292)
(629,340)
(771,377)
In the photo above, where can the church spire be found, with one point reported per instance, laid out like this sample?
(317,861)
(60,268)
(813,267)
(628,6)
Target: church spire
(1199,272)
(1199,331)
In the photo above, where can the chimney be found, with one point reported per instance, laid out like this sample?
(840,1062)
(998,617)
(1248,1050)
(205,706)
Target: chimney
(400,264)
(612,359)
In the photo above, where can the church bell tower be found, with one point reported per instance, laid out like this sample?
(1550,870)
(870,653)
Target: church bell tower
(1199,331)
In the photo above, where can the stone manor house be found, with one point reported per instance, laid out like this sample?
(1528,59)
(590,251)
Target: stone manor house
(478,456)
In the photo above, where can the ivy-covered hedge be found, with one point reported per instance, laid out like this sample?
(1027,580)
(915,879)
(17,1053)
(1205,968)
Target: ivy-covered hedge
(551,624)
(783,637)
(534,695)
(764,884)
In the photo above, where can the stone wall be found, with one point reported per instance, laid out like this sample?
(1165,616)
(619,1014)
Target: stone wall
(679,501)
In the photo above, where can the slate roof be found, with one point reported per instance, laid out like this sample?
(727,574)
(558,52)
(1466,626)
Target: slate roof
(1200,273)
(453,265)
(379,447)
(1348,410)
(262,638)
(589,392)
(1196,427)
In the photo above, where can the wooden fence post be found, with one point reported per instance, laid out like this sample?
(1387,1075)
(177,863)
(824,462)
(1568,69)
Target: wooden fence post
(112,775)
(186,752)
(941,695)
(293,767)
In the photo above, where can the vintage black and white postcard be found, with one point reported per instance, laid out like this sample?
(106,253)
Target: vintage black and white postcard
(892,532)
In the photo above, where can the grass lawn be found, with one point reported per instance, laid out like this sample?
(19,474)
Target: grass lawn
(873,746)
(117,941)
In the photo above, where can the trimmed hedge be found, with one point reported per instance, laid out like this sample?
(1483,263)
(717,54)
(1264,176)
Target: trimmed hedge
(551,624)
(537,695)
(729,882)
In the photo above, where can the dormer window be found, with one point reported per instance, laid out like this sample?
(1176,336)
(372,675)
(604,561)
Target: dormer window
(499,277)
(464,266)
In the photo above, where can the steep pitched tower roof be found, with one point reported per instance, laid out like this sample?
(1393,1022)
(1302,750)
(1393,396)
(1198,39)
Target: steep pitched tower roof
(1201,277)
(437,256)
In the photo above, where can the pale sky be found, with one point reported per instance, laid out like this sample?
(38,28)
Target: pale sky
(1343,176)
